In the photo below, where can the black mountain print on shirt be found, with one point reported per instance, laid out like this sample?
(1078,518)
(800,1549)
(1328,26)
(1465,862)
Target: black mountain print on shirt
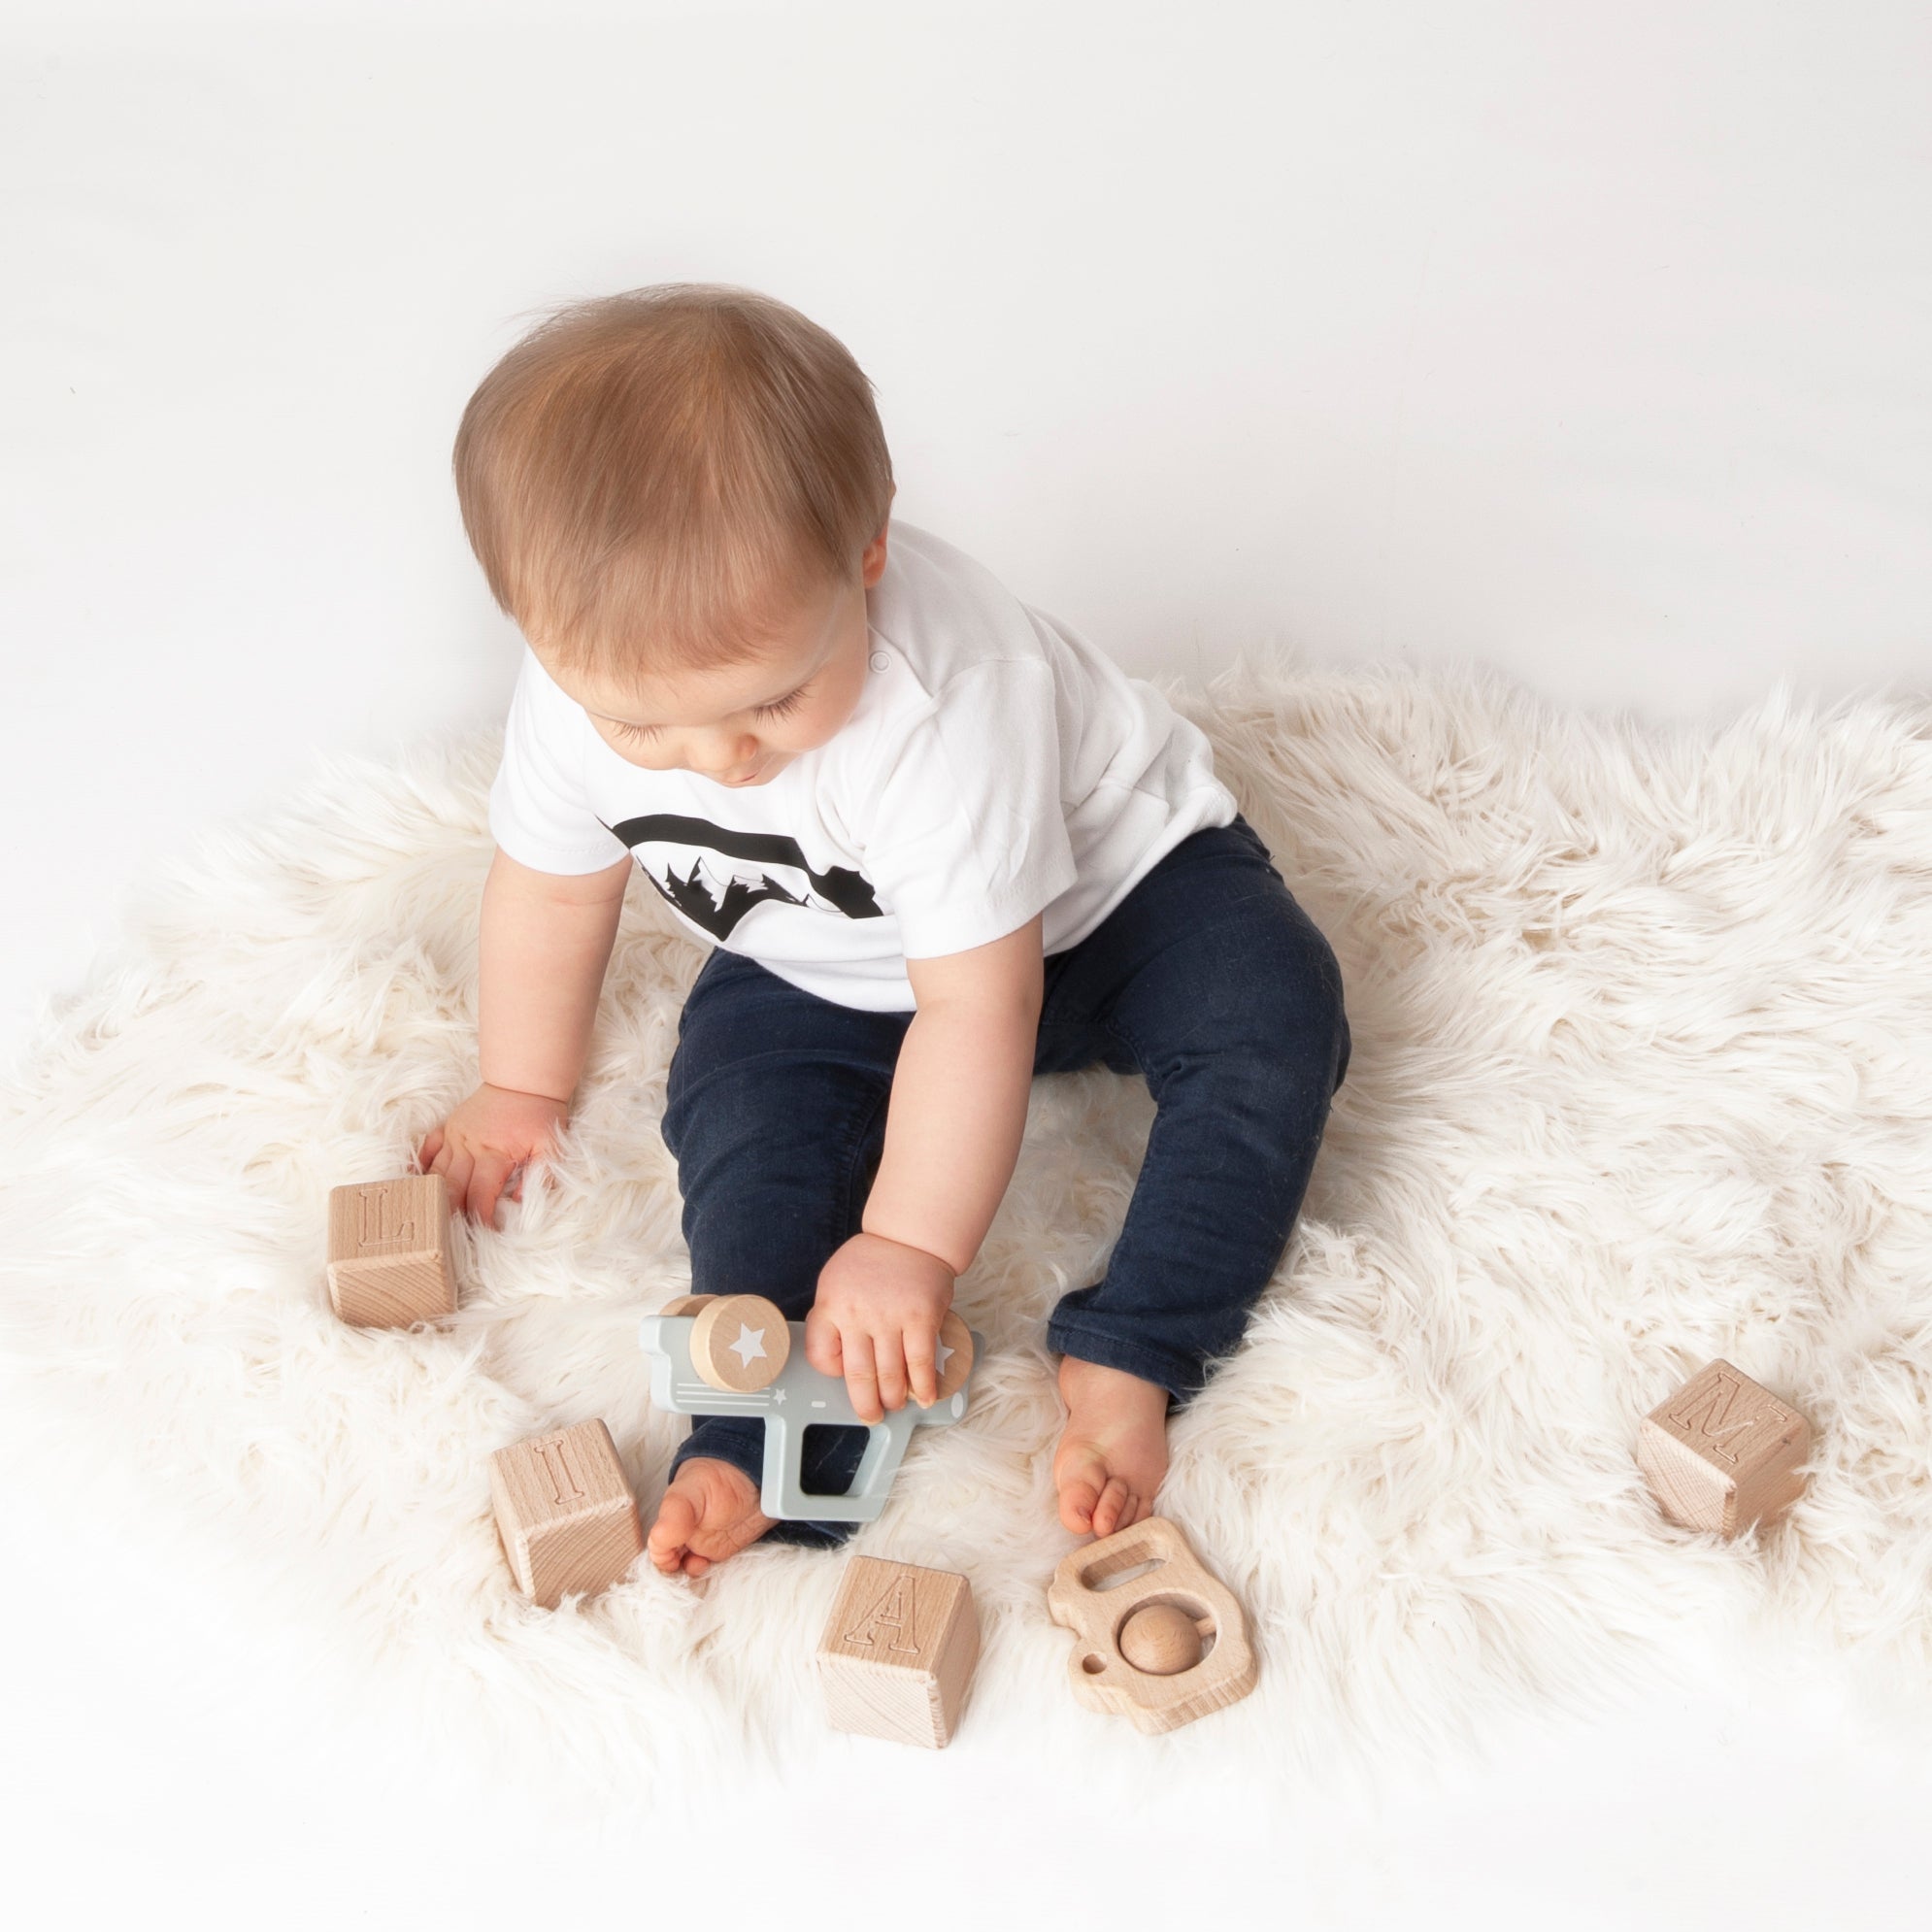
(718,911)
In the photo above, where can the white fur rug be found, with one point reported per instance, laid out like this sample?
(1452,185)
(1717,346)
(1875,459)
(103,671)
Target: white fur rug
(1642,1074)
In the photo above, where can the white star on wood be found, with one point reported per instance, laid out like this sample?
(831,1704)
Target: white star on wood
(945,1354)
(749,1344)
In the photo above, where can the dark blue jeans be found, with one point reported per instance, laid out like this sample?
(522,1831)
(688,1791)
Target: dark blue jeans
(1208,980)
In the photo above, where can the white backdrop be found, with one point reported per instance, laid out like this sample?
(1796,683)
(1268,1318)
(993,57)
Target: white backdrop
(1586,341)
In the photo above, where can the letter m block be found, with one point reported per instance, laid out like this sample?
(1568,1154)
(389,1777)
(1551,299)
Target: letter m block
(1723,1454)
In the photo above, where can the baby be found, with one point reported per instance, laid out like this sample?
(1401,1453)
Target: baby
(939,843)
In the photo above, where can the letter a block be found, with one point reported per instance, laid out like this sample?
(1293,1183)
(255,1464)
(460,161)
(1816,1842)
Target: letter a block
(565,1513)
(1723,1454)
(897,1655)
(389,1251)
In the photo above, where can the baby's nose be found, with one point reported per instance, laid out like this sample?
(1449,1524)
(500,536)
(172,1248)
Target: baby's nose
(739,754)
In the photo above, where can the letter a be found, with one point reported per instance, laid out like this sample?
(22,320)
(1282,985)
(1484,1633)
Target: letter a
(895,1611)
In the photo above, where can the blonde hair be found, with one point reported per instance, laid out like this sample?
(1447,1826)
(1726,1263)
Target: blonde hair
(659,480)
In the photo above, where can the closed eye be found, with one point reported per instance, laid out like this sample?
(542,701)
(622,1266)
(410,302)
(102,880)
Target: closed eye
(781,708)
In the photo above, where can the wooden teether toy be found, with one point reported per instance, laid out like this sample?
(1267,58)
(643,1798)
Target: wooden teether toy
(1162,1648)
(737,1355)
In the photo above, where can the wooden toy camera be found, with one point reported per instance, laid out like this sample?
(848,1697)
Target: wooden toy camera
(737,1355)
(1157,1637)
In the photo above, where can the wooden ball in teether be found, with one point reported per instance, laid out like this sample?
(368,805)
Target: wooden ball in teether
(1161,1640)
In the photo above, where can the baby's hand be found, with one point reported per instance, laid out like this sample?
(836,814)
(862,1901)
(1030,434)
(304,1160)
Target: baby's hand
(876,1322)
(489,1139)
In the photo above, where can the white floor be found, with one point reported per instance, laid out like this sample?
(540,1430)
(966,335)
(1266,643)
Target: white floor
(179,1776)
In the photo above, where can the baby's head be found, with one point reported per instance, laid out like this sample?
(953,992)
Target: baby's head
(680,496)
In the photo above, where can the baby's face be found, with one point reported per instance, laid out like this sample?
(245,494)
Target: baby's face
(743,724)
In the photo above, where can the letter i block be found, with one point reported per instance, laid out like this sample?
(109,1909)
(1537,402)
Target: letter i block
(389,1251)
(897,1656)
(1723,1454)
(565,1513)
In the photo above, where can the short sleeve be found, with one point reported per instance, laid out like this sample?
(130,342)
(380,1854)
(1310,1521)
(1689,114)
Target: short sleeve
(538,812)
(969,839)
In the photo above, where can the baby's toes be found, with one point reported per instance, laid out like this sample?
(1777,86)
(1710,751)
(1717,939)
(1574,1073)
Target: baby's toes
(1114,1508)
(671,1534)
(1078,1497)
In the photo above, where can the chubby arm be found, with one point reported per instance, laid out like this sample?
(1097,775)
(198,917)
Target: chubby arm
(952,1133)
(544,944)
(958,1105)
(543,948)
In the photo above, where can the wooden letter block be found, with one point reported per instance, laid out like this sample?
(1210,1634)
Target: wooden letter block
(1722,1453)
(389,1251)
(565,1513)
(897,1656)
(1159,1639)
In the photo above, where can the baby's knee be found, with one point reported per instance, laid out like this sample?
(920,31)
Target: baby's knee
(1290,1027)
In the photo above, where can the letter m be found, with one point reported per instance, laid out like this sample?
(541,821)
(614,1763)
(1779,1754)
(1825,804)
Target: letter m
(1707,1411)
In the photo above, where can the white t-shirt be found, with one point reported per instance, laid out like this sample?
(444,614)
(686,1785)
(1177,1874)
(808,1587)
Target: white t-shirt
(996,765)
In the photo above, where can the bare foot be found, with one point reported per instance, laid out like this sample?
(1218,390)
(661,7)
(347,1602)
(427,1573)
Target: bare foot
(709,1512)
(1113,1452)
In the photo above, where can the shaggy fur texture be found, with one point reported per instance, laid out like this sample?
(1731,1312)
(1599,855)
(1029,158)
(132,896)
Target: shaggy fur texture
(1642,1021)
